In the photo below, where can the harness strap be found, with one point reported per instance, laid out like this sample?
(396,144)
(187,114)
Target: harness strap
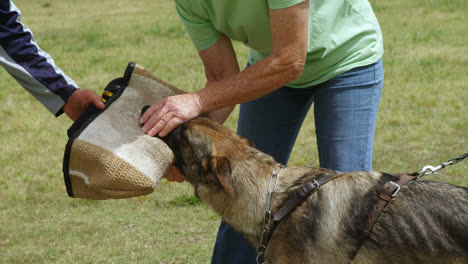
(303,192)
(300,195)
(389,190)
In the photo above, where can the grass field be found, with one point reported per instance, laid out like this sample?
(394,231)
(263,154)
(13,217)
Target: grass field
(422,120)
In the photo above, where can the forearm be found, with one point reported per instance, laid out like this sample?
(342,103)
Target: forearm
(51,101)
(218,68)
(265,76)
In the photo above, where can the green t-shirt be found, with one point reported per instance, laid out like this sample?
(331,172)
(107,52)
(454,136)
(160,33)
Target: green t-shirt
(343,34)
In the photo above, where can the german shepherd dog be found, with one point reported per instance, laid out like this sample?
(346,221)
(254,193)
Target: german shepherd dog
(426,222)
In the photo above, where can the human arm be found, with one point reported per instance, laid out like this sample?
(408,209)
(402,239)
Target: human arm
(35,70)
(217,68)
(220,63)
(289,28)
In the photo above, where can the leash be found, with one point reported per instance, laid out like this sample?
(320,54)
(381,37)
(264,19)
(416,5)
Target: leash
(428,169)
(391,189)
(270,222)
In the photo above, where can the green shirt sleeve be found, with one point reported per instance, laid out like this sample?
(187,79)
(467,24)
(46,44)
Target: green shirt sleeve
(278,4)
(201,30)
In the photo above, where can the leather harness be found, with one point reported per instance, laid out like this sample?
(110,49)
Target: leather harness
(389,190)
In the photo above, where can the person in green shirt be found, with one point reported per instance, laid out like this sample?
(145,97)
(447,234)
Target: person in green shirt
(324,52)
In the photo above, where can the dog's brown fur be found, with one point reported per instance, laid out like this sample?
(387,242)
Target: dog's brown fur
(427,222)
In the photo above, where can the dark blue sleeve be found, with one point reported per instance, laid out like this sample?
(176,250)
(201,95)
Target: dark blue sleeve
(34,69)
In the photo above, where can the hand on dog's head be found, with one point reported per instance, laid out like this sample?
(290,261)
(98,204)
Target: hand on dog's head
(199,167)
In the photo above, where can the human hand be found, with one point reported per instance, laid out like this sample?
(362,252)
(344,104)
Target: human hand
(173,174)
(79,101)
(165,115)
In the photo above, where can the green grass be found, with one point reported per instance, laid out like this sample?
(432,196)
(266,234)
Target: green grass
(422,120)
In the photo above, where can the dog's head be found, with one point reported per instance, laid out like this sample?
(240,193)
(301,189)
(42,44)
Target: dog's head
(226,171)
(215,159)
(205,152)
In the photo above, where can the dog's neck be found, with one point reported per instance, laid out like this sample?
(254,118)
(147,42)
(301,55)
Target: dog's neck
(251,178)
(245,212)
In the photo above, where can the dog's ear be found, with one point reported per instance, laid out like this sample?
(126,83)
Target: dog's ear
(223,173)
(218,170)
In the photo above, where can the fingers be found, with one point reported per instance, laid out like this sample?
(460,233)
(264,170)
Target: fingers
(97,101)
(87,97)
(162,117)
(154,119)
(161,126)
(173,174)
(149,112)
(171,125)
(79,101)
(90,97)
(180,179)
(175,178)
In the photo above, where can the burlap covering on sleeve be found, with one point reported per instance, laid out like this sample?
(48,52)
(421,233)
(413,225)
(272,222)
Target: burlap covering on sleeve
(107,156)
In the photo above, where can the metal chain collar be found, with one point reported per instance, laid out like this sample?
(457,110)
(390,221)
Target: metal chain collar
(433,170)
(267,220)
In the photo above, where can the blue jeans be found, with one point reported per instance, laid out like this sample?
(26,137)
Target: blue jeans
(345,109)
